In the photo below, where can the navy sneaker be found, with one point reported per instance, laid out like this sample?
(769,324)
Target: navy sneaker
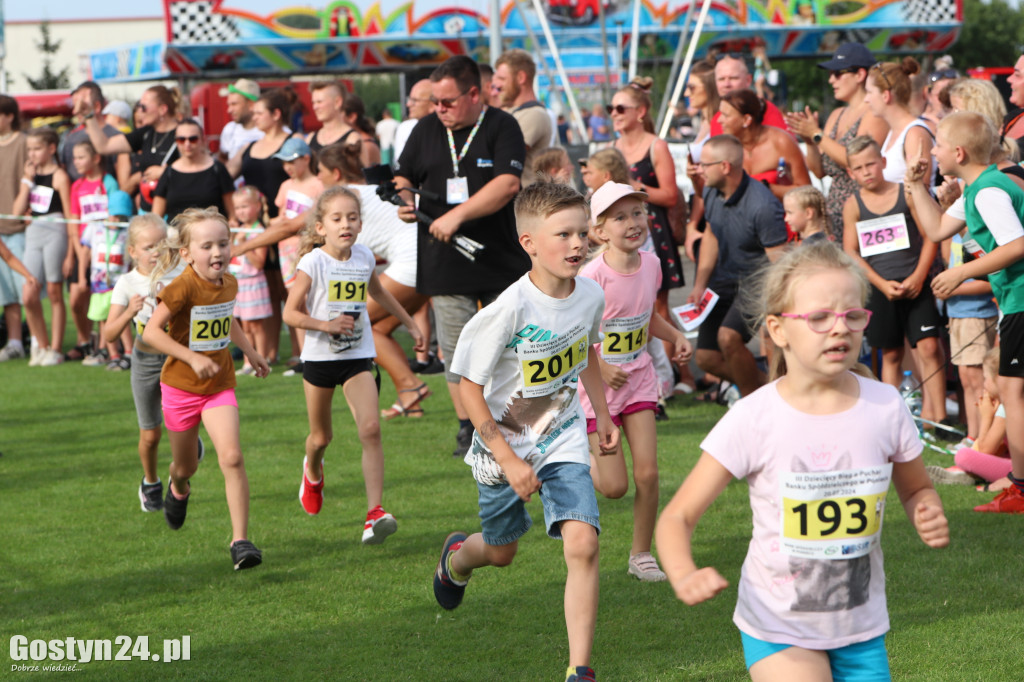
(447,590)
(175,509)
(245,555)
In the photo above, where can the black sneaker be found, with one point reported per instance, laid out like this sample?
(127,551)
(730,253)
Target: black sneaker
(463,439)
(175,509)
(433,365)
(447,590)
(151,495)
(245,555)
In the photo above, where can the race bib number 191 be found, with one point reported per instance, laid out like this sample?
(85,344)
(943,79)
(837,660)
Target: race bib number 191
(210,327)
(833,514)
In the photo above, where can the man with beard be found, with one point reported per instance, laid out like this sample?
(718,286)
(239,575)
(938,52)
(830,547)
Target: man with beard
(240,131)
(513,79)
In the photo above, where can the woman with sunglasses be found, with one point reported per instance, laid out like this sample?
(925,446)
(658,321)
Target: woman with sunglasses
(153,143)
(826,146)
(764,146)
(195,180)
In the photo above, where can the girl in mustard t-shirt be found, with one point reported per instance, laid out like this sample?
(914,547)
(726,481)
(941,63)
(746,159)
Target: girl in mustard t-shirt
(198,379)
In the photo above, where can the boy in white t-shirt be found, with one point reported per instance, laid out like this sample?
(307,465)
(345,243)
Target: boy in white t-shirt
(520,359)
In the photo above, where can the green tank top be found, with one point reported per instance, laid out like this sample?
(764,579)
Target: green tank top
(1009,296)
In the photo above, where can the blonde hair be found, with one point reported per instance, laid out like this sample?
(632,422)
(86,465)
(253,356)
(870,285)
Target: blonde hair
(254,194)
(180,236)
(807,196)
(610,161)
(549,162)
(982,97)
(309,239)
(971,131)
(778,282)
(860,144)
(544,199)
(140,223)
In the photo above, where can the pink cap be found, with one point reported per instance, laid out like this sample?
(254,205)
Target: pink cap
(610,192)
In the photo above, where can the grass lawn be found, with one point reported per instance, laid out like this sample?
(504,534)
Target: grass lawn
(79,559)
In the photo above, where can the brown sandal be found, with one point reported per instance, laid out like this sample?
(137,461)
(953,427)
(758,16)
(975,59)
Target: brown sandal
(411,410)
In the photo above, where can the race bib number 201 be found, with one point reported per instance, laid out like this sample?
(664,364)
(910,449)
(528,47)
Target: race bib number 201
(833,514)
(549,366)
(210,326)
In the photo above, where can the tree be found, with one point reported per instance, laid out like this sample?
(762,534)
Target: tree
(49,80)
(991,35)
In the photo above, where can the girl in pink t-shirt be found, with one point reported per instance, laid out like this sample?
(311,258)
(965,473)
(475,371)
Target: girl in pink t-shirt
(630,279)
(818,448)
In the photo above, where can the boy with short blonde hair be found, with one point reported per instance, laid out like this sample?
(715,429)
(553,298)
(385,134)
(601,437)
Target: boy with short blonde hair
(992,206)
(520,359)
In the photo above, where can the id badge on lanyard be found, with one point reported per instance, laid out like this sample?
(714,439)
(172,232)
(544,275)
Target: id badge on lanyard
(458,186)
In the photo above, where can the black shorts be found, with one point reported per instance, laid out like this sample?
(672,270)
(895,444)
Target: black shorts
(1011,345)
(728,313)
(332,373)
(912,319)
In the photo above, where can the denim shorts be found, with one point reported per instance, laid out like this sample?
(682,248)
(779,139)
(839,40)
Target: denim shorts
(861,662)
(567,492)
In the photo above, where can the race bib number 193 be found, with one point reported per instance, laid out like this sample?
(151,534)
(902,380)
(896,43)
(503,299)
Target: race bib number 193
(833,514)
(210,327)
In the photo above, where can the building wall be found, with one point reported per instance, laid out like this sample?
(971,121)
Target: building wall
(77,38)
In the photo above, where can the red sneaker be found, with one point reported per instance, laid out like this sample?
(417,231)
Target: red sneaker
(1009,501)
(311,495)
(379,524)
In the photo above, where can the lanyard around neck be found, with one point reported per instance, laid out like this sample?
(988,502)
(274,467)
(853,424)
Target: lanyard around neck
(469,141)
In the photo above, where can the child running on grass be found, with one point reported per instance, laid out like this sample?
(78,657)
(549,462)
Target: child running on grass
(630,279)
(198,380)
(134,299)
(520,359)
(811,602)
(332,283)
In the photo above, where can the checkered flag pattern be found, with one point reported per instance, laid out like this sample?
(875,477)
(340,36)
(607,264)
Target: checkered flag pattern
(929,11)
(196,23)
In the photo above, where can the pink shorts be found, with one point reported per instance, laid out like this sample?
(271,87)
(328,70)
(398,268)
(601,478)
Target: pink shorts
(617,418)
(183,409)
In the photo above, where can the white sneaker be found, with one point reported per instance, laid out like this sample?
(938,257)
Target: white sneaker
(51,358)
(11,352)
(645,567)
(35,356)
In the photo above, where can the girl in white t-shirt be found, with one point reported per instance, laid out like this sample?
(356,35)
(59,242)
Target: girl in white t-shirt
(818,448)
(332,283)
(134,300)
(630,279)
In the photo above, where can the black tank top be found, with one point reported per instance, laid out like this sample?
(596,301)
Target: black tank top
(267,175)
(316,145)
(895,265)
(56,206)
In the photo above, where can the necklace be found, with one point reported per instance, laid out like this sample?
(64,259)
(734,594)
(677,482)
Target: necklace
(6,136)
(158,143)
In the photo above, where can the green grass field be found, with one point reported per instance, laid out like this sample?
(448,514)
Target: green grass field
(79,559)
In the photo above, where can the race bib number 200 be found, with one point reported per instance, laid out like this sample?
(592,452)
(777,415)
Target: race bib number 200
(210,327)
(833,514)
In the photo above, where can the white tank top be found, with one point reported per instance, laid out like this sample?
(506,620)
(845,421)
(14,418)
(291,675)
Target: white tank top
(895,163)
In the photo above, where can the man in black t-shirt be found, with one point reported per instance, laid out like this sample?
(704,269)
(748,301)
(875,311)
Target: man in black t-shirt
(470,157)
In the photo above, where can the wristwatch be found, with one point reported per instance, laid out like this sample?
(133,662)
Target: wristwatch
(817,137)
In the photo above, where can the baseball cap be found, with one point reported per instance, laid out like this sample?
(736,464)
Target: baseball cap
(118,108)
(293,148)
(120,203)
(850,56)
(610,192)
(248,89)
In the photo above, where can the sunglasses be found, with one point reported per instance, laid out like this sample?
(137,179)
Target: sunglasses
(842,72)
(141,107)
(447,103)
(182,139)
(617,108)
(943,75)
(888,83)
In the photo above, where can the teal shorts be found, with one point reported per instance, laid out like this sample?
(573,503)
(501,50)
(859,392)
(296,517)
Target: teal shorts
(861,662)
